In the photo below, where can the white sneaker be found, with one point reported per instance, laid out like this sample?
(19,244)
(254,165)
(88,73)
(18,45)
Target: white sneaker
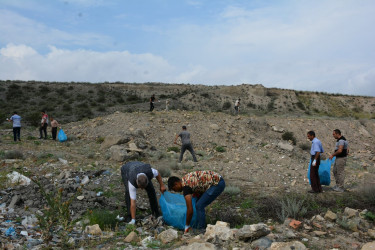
(338,189)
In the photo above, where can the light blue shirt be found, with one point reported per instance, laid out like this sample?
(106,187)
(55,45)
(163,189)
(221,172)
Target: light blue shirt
(16,121)
(316,146)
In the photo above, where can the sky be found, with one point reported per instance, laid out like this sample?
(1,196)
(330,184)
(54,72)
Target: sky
(321,45)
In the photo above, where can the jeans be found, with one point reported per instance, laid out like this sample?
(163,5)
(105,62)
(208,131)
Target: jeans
(16,133)
(150,193)
(191,150)
(207,197)
(44,129)
(54,132)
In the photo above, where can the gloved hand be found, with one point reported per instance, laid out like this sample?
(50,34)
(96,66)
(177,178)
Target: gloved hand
(314,163)
(132,222)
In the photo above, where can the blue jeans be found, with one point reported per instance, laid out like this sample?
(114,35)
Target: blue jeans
(207,197)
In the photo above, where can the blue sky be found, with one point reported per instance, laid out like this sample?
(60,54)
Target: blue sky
(304,45)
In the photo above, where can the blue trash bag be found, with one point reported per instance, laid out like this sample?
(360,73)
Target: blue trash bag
(62,136)
(324,171)
(173,207)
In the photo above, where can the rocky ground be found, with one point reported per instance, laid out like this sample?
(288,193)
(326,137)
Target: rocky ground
(82,176)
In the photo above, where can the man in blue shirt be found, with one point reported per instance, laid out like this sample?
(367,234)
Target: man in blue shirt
(316,150)
(16,119)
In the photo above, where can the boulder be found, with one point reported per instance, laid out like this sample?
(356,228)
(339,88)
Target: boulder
(168,236)
(349,212)
(368,246)
(331,216)
(220,230)
(132,237)
(114,140)
(118,153)
(261,244)
(278,129)
(296,245)
(94,230)
(200,246)
(285,146)
(371,233)
(253,232)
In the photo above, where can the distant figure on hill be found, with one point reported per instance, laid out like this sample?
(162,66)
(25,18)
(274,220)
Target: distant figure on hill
(152,100)
(16,119)
(54,125)
(237,106)
(43,125)
(316,150)
(135,175)
(341,153)
(167,105)
(186,144)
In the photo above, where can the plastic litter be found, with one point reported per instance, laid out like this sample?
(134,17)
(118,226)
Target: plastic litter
(17,178)
(62,136)
(324,171)
(173,207)
(10,232)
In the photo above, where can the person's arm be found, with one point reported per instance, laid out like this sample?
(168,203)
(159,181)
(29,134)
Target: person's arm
(175,139)
(189,211)
(161,184)
(339,151)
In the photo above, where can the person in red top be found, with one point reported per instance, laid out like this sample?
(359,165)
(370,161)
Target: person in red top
(43,125)
(206,185)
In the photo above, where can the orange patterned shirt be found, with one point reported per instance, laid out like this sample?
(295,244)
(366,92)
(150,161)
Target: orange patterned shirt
(199,181)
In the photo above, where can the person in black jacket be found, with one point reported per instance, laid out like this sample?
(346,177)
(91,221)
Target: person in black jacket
(341,152)
(135,175)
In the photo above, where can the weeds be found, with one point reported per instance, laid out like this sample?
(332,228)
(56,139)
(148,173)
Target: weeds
(292,206)
(289,136)
(104,218)
(232,190)
(13,154)
(220,149)
(164,171)
(174,149)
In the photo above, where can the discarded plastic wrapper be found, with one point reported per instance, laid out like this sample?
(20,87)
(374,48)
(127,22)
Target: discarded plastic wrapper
(17,178)
(324,171)
(173,207)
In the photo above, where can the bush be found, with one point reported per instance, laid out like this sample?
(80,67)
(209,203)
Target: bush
(232,190)
(289,136)
(227,105)
(293,207)
(305,146)
(105,219)
(164,171)
(13,154)
(220,149)
(174,149)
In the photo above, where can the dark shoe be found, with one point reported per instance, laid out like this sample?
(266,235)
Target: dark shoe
(312,192)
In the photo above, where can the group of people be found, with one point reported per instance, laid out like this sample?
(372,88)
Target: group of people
(16,120)
(341,152)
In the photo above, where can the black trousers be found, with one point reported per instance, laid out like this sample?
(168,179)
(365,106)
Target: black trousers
(43,129)
(17,133)
(54,133)
(314,175)
(152,106)
(149,189)
(189,147)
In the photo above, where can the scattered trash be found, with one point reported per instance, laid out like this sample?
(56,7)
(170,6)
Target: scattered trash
(10,232)
(85,180)
(17,178)
(65,162)
(119,218)
(99,193)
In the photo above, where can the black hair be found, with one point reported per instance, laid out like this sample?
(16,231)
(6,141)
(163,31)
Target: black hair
(184,127)
(172,181)
(337,131)
(15,112)
(311,133)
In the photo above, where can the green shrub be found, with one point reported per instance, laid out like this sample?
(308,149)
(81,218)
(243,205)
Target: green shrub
(105,219)
(99,139)
(292,207)
(164,171)
(232,190)
(289,136)
(174,149)
(305,146)
(227,105)
(220,149)
(370,216)
(13,154)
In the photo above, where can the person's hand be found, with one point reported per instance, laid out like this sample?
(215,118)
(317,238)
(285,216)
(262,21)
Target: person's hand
(330,157)
(314,163)
(187,228)
(163,189)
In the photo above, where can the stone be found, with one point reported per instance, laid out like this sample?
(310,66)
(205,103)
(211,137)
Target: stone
(94,230)
(349,212)
(133,147)
(277,129)
(118,153)
(168,236)
(331,216)
(295,224)
(114,140)
(369,246)
(220,229)
(296,245)
(15,199)
(215,127)
(81,197)
(261,244)
(319,233)
(371,233)
(285,146)
(253,232)
(132,237)
(198,245)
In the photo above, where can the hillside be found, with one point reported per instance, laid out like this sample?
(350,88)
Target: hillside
(261,170)
(76,101)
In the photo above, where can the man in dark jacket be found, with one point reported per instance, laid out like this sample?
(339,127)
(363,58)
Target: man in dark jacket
(139,175)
